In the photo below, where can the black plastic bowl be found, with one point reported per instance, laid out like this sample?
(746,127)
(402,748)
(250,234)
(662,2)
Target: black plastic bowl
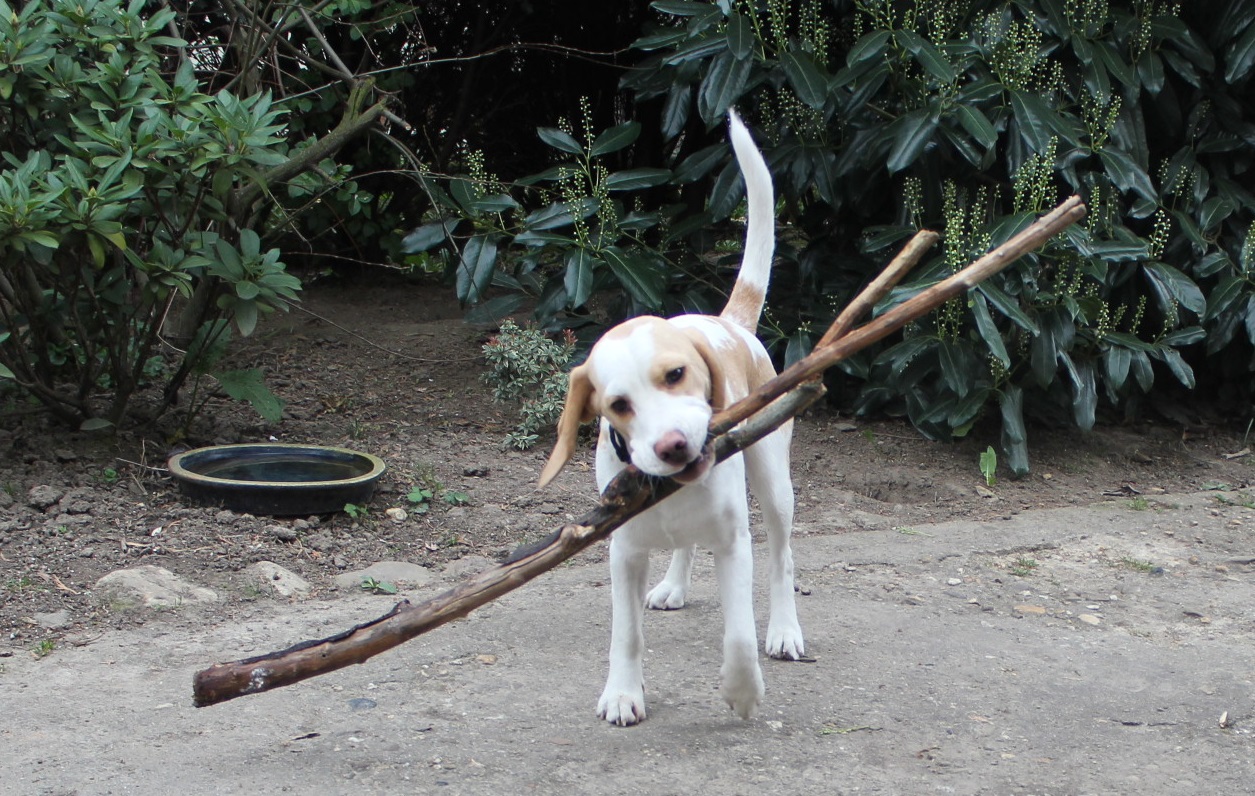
(281,480)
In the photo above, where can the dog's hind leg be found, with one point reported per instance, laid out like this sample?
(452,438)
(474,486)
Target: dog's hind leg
(672,590)
(767,466)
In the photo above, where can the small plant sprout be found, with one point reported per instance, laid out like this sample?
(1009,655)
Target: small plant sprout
(454,498)
(1139,503)
(109,475)
(375,586)
(1023,566)
(989,465)
(44,648)
(420,499)
(357,511)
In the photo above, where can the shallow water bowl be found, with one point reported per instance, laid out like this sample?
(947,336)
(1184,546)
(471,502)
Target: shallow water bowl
(264,478)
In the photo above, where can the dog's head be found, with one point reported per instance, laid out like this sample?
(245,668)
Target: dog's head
(657,385)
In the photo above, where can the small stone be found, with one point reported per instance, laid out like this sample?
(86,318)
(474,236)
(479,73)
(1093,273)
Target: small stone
(285,582)
(153,586)
(1030,610)
(282,532)
(487,660)
(476,471)
(53,620)
(362,703)
(395,572)
(87,552)
(954,582)
(43,496)
(396,514)
(1090,619)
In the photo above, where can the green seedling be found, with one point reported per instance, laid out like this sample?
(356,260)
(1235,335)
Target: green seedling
(420,499)
(44,648)
(109,475)
(378,586)
(1138,565)
(989,465)
(1139,503)
(456,498)
(1023,567)
(356,510)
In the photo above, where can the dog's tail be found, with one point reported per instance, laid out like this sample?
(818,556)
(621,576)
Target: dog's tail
(745,305)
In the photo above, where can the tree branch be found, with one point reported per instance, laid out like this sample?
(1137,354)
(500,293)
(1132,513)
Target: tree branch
(631,492)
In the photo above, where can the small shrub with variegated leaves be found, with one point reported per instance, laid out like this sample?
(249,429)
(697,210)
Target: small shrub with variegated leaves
(526,366)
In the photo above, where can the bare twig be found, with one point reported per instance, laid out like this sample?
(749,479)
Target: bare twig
(627,495)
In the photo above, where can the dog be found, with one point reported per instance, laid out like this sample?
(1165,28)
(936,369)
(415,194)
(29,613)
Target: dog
(655,384)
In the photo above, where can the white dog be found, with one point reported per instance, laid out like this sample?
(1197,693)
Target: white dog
(655,384)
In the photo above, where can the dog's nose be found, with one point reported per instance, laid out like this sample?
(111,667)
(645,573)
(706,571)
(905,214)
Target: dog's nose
(673,448)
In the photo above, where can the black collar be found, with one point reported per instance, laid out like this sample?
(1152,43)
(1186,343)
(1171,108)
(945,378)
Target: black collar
(620,446)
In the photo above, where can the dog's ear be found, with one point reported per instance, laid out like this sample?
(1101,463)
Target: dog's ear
(577,409)
(718,384)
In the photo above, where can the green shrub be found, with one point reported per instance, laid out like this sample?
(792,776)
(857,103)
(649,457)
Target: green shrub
(133,207)
(526,367)
(882,117)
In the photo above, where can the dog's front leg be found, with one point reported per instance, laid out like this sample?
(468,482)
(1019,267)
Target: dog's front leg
(741,678)
(623,700)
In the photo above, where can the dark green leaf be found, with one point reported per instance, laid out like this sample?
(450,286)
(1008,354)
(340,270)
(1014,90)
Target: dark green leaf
(1084,390)
(988,329)
(723,85)
(1126,174)
(870,46)
(579,276)
(680,8)
(1116,360)
(1014,435)
(976,125)
(911,134)
(1033,118)
(1173,284)
(1240,56)
(699,164)
(740,36)
(807,79)
(1250,319)
(428,236)
(675,111)
(560,140)
(496,308)
(1184,373)
(475,268)
(634,179)
(956,369)
(927,55)
(1226,292)
(1008,306)
(615,138)
(798,347)
(639,275)
(1142,371)
(248,385)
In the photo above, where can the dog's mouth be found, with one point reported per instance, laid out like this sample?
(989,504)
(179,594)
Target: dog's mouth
(694,470)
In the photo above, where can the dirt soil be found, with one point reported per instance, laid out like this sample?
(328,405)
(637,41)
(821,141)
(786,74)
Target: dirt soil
(1132,541)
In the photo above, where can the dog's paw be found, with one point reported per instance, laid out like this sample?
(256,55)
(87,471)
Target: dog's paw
(666,596)
(622,708)
(742,688)
(784,640)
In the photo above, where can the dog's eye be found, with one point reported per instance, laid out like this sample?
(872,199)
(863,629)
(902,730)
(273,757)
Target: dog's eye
(675,376)
(620,406)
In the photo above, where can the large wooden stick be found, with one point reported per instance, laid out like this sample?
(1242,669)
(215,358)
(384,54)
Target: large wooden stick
(630,493)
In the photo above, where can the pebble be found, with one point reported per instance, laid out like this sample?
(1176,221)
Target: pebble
(396,514)
(42,496)
(1033,610)
(954,582)
(362,703)
(1090,619)
(283,533)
